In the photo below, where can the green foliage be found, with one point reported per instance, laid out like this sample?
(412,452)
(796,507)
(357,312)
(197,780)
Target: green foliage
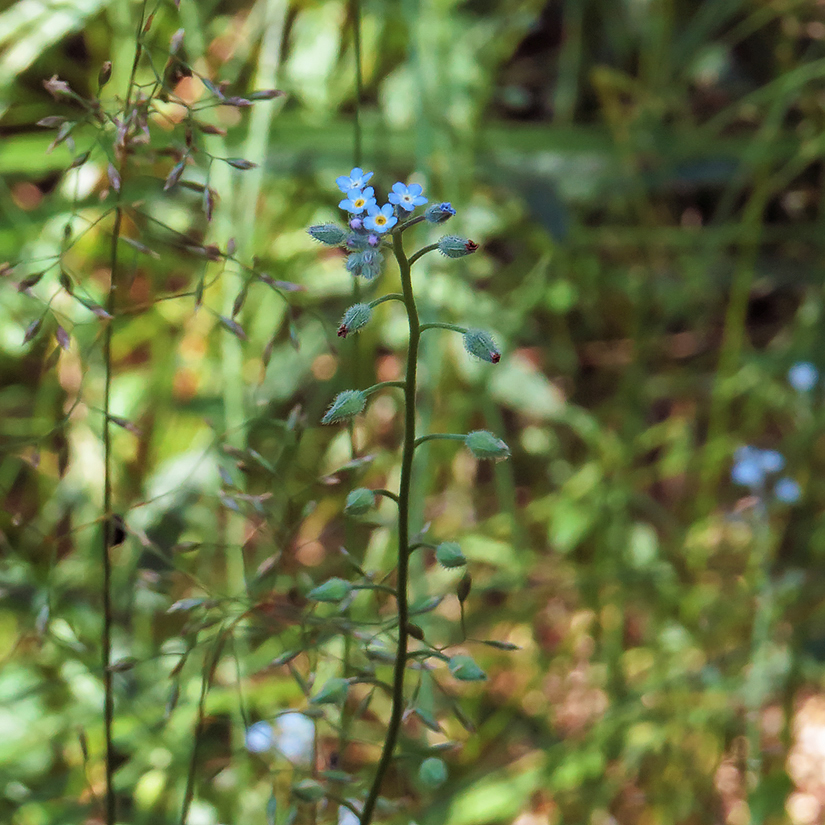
(643,181)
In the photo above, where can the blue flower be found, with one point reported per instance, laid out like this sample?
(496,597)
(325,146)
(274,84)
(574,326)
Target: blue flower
(407,197)
(803,376)
(259,737)
(357,179)
(380,220)
(295,737)
(751,465)
(357,201)
(748,472)
(787,491)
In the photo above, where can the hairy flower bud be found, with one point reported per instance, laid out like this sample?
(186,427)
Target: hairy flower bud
(328,233)
(483,444)
(481,344)
(355,319)
(356,223)
(346,405)
(359,501)
(367,264)
(439,212)
(448,554)
(455,247)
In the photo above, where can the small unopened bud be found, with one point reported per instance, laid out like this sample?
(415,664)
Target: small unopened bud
(104,74)
(356,223)
(483,444)
(481,344)
(439,212)
(347,404)
(328,233)
(455,247)
(359,501)
(448,554)
(56,87)
(355,319)
(367,264)
(373,240)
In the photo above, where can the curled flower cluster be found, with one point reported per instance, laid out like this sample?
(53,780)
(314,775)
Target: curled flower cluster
(368,222)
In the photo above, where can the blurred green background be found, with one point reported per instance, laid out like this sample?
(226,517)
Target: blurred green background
(645,180)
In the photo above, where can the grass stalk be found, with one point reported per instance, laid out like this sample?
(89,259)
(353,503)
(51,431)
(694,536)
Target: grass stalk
(108,524)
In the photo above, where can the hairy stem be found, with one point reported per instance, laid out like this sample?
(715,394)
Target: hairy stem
(394,724)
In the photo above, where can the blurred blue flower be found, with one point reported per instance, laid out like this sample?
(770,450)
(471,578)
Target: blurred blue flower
(771,461)
(259,737)
(787,490)
(346,816)
(803,376)
(380,220)
(357,201)
(748,472)
(357,179)
(295,737)
(407,197)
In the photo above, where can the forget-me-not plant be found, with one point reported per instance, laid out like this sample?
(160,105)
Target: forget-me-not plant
(372,229)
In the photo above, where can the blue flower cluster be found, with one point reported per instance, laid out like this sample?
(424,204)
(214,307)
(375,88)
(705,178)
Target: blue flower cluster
(752,466)
(368,221)
(803,376)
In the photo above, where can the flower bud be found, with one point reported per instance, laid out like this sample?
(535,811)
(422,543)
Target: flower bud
(356,223)
(359,501)
(355,319)
(104,74)
(328,233)
(481,344)
(367,264)
(432,773)
(483,444)
(347,404)
(448,554)
(332,590)
(454,247)
(466,670)
(439,212)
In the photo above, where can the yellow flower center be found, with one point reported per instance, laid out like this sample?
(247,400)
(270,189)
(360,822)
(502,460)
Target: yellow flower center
(380,220)
(359,202)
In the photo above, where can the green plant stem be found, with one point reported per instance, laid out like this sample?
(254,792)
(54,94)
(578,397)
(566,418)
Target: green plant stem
(407,224)
(439,437)
(387,493)
(390,296)
(423,251)
(384,384)
(396,714)
(106,561)
(440,325)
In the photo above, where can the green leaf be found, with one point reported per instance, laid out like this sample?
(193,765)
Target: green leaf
(308,790)
(333,691)
(332,590)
